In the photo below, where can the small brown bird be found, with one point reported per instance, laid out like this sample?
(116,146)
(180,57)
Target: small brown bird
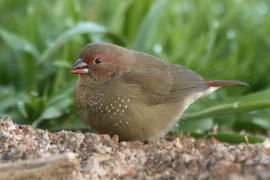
(133,94)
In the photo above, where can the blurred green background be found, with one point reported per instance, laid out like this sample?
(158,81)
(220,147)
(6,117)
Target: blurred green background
(227,39)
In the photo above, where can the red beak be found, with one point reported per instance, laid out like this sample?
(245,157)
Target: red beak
(80,67)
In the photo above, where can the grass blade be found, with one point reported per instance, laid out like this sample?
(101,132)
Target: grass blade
(232,138)
(245,104)
(79,29)
(150,21)
(18,43)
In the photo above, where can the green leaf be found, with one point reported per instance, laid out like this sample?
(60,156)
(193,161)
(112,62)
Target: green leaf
(21,108)
(77,30)
(195,126)
(8,98)
(149,23)
(230,138)
(60,96)
(51,112)
(3,115)
(236,138)
(18,43)
(263,123)
(245,104)
(62,63)
(56,106)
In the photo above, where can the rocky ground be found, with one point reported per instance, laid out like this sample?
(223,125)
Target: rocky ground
(27,153)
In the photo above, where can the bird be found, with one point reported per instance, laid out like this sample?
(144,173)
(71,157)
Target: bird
(132,94)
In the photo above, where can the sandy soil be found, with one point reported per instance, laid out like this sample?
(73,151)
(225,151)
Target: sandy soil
(27,153)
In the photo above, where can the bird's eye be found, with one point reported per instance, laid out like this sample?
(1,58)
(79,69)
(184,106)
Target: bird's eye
(98,60)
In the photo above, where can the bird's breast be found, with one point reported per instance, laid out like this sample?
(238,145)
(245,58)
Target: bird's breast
(99,108)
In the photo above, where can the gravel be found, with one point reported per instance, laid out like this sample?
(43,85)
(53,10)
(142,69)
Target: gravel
(30,152)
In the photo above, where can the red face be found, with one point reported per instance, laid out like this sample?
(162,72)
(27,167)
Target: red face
(84,63)
(97,65)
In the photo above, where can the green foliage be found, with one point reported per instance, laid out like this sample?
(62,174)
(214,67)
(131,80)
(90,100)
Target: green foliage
(253,102)
(218,39)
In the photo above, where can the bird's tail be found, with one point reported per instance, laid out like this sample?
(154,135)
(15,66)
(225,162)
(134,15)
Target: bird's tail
(221,83)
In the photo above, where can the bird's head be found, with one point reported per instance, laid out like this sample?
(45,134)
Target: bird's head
(100,61)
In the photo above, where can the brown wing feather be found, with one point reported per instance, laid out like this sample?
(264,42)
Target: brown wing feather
(166,84)
(185,83)
(154,83)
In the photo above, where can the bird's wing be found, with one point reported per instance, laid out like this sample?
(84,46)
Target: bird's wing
(185,83)
(166,85)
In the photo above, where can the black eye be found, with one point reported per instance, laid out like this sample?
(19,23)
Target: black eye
(98,60)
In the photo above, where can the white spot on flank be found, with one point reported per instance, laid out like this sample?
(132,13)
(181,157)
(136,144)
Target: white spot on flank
(128,100)
(120,105)
(125,106)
